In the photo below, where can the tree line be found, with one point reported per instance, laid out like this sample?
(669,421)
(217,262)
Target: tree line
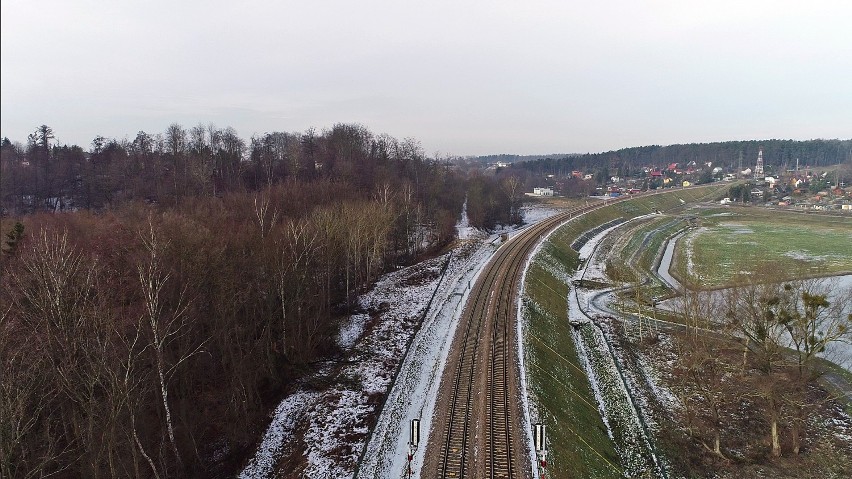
(190,278)
(776,154)
(204,160)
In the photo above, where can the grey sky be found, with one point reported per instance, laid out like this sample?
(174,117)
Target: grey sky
(463,77)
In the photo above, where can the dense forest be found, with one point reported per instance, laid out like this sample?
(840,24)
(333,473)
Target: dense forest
(160,295)
(776,154)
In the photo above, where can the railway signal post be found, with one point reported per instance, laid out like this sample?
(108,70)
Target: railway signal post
(540,445)
(413,441)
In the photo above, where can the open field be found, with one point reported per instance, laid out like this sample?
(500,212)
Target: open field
(750,241)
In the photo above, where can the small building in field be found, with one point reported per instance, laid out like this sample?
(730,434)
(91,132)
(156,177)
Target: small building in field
(543,191)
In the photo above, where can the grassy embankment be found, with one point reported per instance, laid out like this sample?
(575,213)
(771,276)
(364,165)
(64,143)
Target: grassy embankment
(579,444)
(744,241)
(635,249)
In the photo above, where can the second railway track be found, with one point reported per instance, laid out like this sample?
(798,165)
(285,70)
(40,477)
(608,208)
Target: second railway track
(478,431)
(479,436)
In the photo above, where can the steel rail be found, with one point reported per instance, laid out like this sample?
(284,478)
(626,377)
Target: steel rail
(487,323)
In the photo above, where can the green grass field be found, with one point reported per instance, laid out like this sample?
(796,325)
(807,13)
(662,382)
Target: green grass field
(777,245)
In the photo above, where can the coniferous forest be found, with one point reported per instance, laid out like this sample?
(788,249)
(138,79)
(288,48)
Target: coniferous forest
(160,295)
(779,154)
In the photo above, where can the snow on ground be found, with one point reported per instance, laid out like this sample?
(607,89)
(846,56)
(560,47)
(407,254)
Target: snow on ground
(584,301)
(330,429)
(641,381)
(646,377)
(592,268)
(616,398)
(689,253)
(839,352)
(352,330)
(663,353)
(415,390)
(803,256)
(621,410)
(593,382)
(533,213)
(530,410)
(335,422)
(463,229)
(616,386)
(414,394)
(589,269)
(282,427)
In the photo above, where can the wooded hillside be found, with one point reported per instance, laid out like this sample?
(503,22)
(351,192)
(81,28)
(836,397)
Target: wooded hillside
(160,295)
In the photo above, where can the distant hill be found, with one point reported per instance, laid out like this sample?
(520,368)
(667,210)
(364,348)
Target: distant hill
(779,153)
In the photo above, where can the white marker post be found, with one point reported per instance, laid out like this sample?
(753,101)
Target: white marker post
(413,441)
(540,444)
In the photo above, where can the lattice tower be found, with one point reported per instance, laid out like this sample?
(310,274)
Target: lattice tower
(758,170)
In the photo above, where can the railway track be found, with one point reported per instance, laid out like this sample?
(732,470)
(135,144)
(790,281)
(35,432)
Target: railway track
(481,435)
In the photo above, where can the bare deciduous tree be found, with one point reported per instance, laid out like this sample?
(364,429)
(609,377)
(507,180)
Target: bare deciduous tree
(813,321)
(753,313)
(266,219)
(165,325)
(300,249)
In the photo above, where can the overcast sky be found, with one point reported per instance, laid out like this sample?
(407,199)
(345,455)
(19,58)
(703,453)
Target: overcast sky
(463,77)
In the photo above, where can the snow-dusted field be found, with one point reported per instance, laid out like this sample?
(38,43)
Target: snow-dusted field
(615,388)
(535,213)
(839,352)
(330,429)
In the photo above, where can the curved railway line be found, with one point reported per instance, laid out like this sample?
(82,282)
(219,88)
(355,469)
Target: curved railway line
(480,434)
(479,437)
